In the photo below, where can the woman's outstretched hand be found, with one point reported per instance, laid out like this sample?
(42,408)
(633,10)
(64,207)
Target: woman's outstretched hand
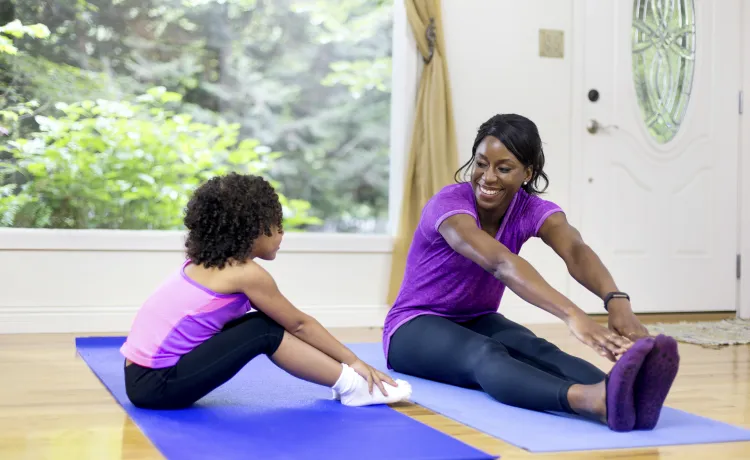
(623,321)
(372,375)
(605,342)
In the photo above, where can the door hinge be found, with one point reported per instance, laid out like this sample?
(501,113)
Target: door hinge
(741,102)
(739,266)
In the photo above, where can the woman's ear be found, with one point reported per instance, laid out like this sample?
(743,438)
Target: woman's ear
(529,174)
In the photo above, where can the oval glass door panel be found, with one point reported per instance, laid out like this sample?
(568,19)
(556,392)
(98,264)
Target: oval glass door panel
(663,47)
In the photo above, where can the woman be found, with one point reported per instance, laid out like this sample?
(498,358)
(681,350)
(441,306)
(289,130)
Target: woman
(444,324)
(220,309)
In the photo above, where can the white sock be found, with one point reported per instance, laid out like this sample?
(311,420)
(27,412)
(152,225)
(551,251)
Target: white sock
(352,389)
(345,382)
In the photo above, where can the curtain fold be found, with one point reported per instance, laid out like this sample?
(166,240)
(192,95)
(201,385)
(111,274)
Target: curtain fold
(433,156)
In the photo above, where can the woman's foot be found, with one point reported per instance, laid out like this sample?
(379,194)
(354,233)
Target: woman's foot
(589,401)
(654,381)
(620,382)
(612,401)
(353,390)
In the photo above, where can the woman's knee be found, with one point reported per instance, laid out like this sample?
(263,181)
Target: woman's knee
(540,347)
(487,354)
(490,365)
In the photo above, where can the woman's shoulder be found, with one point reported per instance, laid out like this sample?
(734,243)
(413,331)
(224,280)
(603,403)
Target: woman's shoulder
(451,198)
(452,195)
(527,202)
(531,210)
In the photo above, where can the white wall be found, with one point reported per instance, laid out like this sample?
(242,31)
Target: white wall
(63,282)
(93,281)
(493,54)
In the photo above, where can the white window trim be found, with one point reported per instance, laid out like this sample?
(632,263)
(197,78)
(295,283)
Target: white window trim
(30,239)
(407,68)
(405,79)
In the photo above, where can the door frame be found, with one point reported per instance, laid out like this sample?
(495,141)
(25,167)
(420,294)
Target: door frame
(743,310)
(577,176)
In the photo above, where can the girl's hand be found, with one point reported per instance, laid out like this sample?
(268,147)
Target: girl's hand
(372,375)
(605,342)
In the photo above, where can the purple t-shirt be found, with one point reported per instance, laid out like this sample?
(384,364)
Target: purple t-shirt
(440,281)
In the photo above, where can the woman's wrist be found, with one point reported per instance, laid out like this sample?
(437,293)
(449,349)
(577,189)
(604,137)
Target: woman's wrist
(618,305)
(569,311)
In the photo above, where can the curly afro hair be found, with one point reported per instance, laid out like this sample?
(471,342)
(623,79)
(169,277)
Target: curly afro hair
(226,215)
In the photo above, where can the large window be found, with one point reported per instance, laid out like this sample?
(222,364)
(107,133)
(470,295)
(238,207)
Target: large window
(113,111)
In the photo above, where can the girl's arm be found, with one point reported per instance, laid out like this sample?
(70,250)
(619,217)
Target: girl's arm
(261,289)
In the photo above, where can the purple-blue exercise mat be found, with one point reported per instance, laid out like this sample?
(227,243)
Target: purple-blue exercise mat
(543,432)
(267,414)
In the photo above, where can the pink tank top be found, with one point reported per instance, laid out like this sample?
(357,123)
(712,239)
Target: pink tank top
(180,315)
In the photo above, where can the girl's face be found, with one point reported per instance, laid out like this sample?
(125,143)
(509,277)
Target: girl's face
(266,247)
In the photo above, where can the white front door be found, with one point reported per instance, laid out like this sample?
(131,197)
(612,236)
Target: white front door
(659,126)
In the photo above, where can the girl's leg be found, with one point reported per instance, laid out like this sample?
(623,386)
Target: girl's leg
(524,345)
(438,349)
(218,359)
(205,367)
(307,363)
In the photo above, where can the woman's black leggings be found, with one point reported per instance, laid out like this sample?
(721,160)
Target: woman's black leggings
(490,352)
(206,367)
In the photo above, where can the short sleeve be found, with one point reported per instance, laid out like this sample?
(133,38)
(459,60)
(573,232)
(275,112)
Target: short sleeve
(535,213)
(446,203)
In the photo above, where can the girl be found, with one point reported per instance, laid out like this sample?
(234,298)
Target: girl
(221,309)
(444,323)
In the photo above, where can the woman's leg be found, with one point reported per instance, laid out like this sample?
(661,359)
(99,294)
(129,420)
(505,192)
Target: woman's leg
(438,349)
(217,360)
(524,345)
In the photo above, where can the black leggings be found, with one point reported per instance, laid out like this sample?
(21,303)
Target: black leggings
(206,367)
(490,352)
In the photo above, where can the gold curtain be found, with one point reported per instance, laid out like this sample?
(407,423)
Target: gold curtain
(433,156)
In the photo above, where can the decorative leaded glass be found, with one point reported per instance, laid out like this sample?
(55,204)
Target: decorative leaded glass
(663,35)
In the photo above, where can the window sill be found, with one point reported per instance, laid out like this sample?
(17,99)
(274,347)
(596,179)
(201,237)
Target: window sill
(22,239)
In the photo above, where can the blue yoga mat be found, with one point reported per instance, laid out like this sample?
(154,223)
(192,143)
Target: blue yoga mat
(265,413)
(543,432)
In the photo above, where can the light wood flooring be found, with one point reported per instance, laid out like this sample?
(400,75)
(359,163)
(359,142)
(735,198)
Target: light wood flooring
(53,407)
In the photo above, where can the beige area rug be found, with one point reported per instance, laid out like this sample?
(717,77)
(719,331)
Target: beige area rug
(709,334)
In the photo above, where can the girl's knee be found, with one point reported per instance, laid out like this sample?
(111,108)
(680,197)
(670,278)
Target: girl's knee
(274,338)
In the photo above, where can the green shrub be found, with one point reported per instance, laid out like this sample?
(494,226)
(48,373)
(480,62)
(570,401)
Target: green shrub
(123,165)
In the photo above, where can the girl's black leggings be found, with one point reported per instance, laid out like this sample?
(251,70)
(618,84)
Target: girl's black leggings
(206,367)
(494,354)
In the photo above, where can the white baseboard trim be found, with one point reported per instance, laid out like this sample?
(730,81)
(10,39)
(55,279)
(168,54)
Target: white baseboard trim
(113,319)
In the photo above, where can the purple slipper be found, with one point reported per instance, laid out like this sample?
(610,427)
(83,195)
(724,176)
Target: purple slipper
(654,381)
(620,382)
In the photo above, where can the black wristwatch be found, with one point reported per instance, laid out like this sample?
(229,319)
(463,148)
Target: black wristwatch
(614,295)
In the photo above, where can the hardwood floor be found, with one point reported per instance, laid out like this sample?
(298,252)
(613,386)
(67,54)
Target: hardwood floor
(53,407)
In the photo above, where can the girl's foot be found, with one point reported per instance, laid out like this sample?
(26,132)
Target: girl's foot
(353,390)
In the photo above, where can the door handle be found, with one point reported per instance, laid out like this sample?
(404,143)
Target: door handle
(594,126)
